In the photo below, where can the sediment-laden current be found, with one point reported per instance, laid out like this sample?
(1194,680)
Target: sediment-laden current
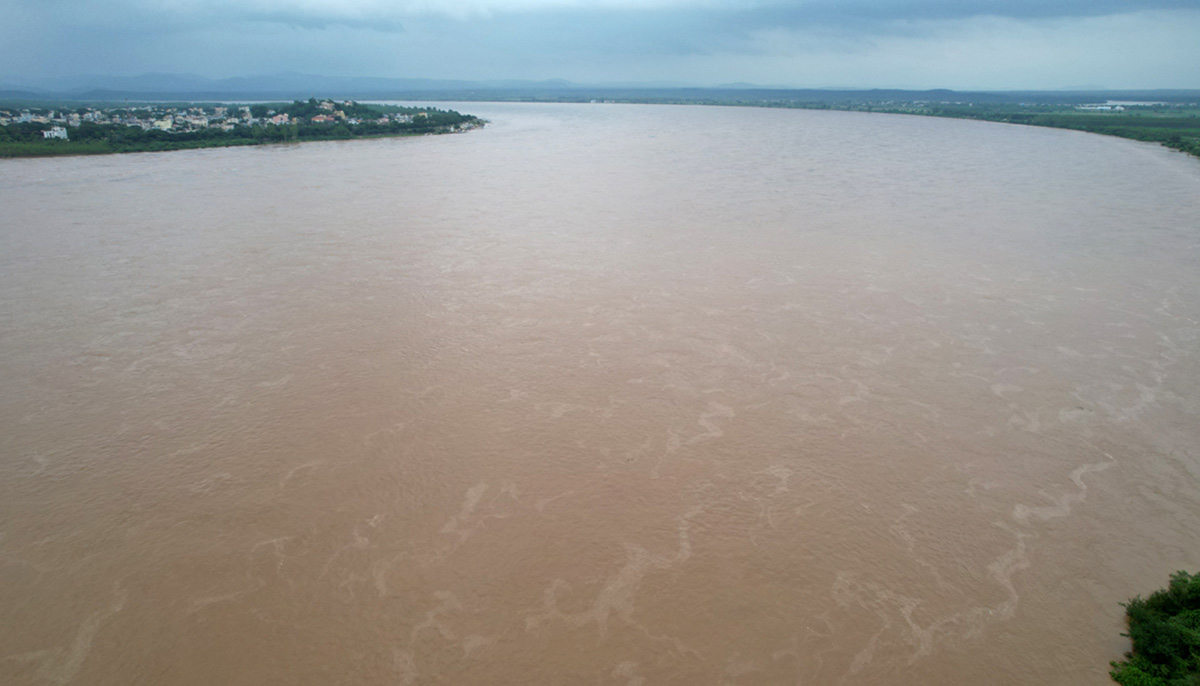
(598,395)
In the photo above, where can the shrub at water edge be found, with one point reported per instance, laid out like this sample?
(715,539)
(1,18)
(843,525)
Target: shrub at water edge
(1165,631)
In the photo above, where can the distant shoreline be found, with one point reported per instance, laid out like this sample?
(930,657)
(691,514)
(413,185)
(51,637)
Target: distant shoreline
(1173,125)
(1173,122)
(1176,130)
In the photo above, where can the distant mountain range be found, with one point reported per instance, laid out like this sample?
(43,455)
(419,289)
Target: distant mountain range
(291,85)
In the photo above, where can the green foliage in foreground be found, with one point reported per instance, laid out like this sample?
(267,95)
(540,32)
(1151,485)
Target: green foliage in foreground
(1165,630)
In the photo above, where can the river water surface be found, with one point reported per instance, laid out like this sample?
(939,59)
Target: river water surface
(598,395)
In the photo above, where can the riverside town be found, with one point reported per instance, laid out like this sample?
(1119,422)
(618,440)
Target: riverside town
(153,127)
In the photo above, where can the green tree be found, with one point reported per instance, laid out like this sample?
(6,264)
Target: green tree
(1165,631)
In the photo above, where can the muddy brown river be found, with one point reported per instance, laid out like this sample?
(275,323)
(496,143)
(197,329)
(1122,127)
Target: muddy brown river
(599,394)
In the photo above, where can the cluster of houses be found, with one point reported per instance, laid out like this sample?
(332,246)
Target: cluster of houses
(146,117)
(179,119)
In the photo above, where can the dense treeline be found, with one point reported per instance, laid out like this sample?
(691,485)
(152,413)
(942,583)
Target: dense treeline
(1165,631)
(25,139)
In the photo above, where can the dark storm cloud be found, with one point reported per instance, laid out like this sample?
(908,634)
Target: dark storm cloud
(148,15)
(837,12)
(706,28)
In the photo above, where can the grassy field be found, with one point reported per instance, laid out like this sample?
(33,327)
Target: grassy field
(53,148)
(102,147)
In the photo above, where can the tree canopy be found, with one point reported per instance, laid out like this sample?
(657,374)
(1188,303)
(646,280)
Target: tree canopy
(1165,631)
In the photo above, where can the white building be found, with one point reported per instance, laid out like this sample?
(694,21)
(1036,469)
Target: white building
(55,132)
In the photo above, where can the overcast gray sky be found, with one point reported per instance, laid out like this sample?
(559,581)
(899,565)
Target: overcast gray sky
(961,44)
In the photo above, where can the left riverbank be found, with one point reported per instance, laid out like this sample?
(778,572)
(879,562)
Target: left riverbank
(98,129)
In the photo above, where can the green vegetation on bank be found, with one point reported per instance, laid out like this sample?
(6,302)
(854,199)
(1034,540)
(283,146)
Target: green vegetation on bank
(1171,118)
(1165,631)
(1174,127)
(153,128)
